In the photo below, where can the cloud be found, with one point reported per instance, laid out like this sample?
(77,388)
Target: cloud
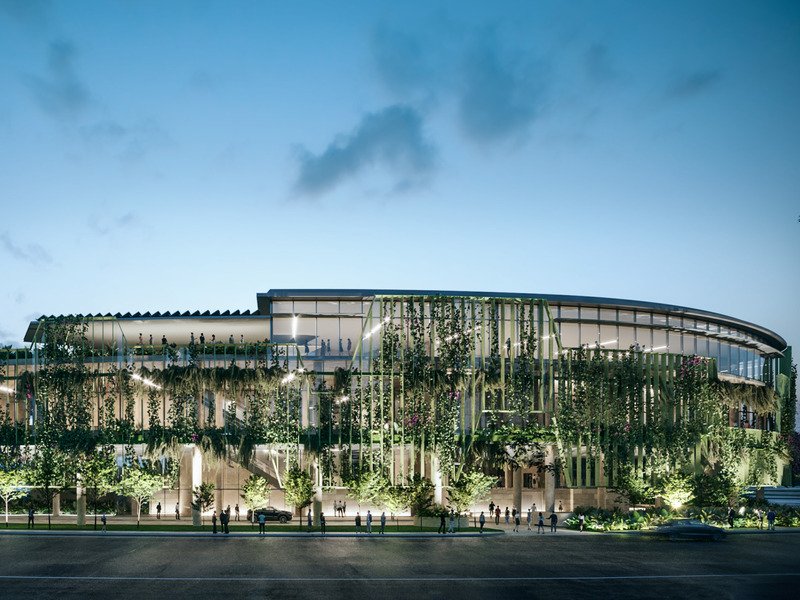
(61,93)
(27,12)
(30,253)
(598,64)
(104,226)
(405,62)
(392,137)
(129,142)
(500,94)
(692,84)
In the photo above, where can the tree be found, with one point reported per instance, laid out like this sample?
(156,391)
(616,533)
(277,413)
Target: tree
(98,472)
(298,487)
(469,490)
(368,487)
(12,486)
(676,489)
(420,494)
(255,492)
(203,498)
(52,470)
(394,498)
(140,485)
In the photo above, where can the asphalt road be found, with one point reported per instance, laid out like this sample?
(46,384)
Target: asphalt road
(550,566)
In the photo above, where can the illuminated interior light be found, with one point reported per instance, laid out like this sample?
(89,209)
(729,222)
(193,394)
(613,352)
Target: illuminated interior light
(288,378)
(657,348)
(6,390)
(294,326)
(146,382)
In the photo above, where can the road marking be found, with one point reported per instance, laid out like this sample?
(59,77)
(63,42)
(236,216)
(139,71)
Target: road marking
(399,579)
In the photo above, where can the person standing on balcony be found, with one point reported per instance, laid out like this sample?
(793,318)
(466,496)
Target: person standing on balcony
(202,339)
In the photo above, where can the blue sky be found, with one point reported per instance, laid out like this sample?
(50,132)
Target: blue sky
(186,155)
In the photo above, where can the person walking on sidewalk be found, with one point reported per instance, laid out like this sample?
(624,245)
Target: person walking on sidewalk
(516,522)
(177,511)
(214,522)
(771,519)
(322,522)
(369,522)
(103,521)
(553,522)
(383,521)
(158,510)
(581,521)
(309,520)
(529,517)
(442,524)
(540,524)
(508,515)
(497,516)
(262,521)
(482,521)
(451,527)
(30,518)
(236,511)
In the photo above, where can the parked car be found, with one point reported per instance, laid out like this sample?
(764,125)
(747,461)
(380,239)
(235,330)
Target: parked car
(689,529)
(273,514)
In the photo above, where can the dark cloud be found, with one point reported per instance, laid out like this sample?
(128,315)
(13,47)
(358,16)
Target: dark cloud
(392,138)
(128,142)
(598,64)
(692,84)
(104,226)
(405,63)
(61,93)
(27,12)
(30,253)
(500,93)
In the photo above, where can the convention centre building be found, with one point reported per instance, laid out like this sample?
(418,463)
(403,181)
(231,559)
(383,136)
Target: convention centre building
(556,396)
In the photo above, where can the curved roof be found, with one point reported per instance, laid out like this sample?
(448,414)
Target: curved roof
(765,335)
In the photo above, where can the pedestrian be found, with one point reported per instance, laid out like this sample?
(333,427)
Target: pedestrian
(224,518)
(177,511)
(451,527)
(103,521)
(491,507)
(322,522)
(349,345)
(760,517)
(214,522)
(341,348)
(262,521)
(30,518)
(236,511)
(369,522)
(771,519)
(309,520)
(581,521)
(553,522)
(516,523)
(533,508)
(163,340)
(482,521)
(442,524)
(344,507)
(540,524)
(202,339)
(158,510)
(508,515)
(529,517)
(230,340)
(383,520)
(497,516)
(513,512)
(358,522)
(731,517)
(560,507)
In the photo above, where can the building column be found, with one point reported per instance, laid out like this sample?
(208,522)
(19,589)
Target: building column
(550,480)
(55,509)
(80,502)
(436,472)
(516,479)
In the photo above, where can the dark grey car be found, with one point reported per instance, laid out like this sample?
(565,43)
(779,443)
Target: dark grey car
(689,529)
(273,514)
